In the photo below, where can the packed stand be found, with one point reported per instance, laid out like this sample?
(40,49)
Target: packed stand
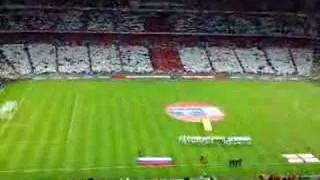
(6,71)
(129,21)
(69,21)
(245,5)
(223,59)
(185,22)
(73,59)
(14,21)
(253,60)
(105,59)
(303,60)
(40,58)
(280,60)
(41,20)
(16,55)
(166,59)
(100,21)
(244,25)
(195,60)
(217,24)
(294,26)
(135,59)
(268,26)
(43,58)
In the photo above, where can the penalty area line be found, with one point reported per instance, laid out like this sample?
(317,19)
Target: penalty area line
(24,93)
(71,124)
(21,100)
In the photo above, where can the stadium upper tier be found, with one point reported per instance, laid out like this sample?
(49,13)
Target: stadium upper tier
(39,58)
(226,5)
(108,21)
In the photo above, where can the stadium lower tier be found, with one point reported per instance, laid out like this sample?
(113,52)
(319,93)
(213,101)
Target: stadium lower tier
(42,58)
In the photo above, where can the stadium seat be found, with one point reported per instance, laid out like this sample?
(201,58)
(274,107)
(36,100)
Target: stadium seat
(281,60)
(6,71)
(73,59)
(223,60)
(105,59)
(194,60)
(303,59)
(43,57)
(135,59)
(166,60)
(17,56)
(253,60)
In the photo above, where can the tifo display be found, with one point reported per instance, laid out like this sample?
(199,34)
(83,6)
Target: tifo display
(218,140)
(145,57)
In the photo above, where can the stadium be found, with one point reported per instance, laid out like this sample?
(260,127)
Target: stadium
(155,89)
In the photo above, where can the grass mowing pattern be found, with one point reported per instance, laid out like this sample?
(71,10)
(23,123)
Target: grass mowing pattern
(66,129)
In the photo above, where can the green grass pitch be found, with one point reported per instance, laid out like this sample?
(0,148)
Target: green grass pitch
(80,129)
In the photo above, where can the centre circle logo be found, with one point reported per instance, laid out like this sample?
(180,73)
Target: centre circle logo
(194,111)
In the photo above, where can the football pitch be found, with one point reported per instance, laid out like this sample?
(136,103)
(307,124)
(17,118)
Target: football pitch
(95,128)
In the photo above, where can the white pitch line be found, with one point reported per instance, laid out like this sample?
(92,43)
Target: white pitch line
(32,143)
(4,128)
(24,93)
(30,170)
(71,125)
(126,167)
(21,100)
(296,106)
(8,171)
(86,168)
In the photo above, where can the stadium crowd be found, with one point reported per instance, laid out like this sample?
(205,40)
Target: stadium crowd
(155,18)
(21,20)
(226,5)
(140,57)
